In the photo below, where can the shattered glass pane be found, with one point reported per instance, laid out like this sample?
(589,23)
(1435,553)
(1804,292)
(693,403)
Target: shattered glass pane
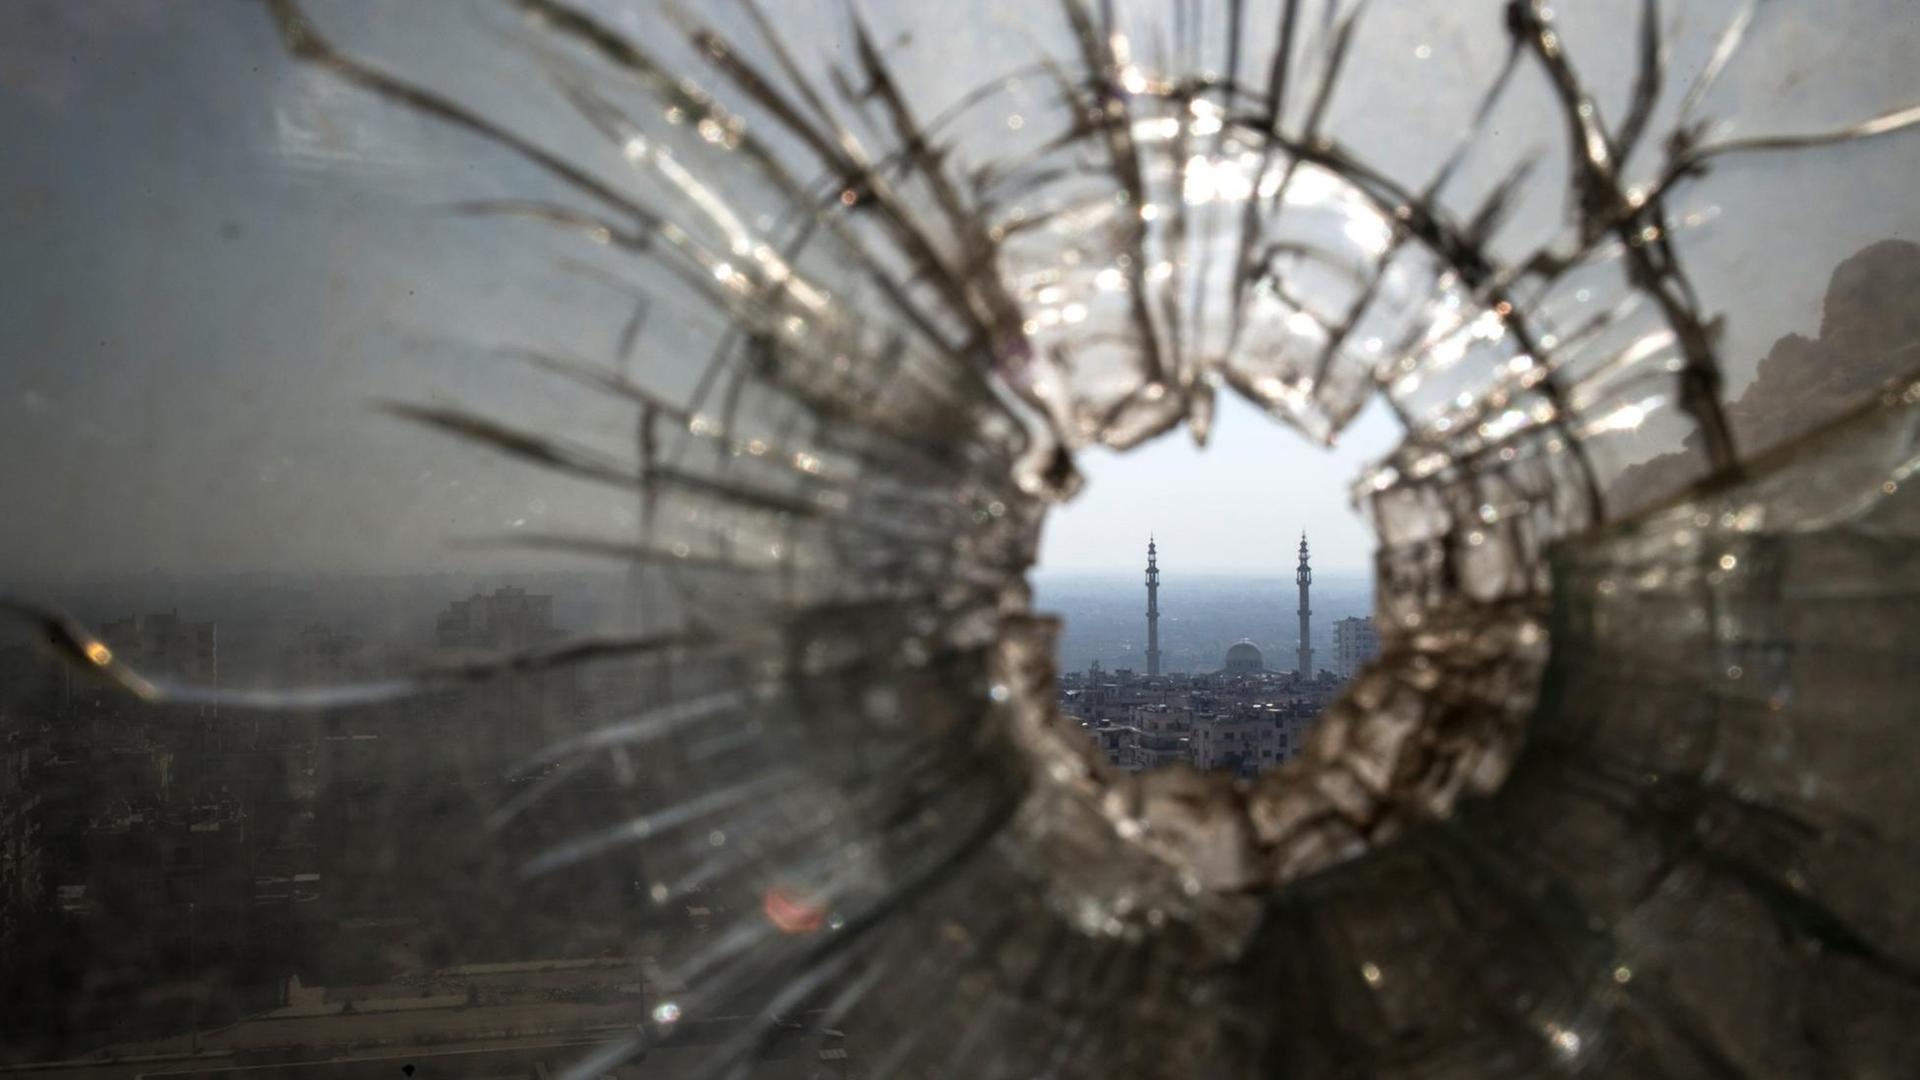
(783,325)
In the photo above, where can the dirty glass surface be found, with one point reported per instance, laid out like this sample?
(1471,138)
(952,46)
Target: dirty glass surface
(761,338)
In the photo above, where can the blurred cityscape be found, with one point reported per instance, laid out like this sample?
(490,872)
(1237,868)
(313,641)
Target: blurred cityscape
(187,891)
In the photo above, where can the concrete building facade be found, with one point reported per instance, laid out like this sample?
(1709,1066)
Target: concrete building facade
(1355,642)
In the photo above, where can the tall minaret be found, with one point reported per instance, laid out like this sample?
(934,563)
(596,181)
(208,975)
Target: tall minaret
(1153,611)
(1304,576)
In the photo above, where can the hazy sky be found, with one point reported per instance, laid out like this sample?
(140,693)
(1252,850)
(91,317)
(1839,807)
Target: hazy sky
(215,260)
(1237,506)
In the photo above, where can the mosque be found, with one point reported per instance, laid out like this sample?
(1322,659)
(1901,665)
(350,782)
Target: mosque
(1243,657)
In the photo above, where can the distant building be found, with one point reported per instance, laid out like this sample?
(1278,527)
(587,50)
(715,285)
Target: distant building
(1354,643)
(505,719)
(1155,737)
(508,619)
(1244,659)
(169,887)
(322,654)
(166,644)
(22,846)
(1244,741)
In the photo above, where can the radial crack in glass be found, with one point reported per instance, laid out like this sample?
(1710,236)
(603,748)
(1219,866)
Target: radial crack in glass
(1621,794)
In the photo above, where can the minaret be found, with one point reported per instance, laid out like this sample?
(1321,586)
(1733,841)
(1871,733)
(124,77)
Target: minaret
(1304,576)
(1153,610)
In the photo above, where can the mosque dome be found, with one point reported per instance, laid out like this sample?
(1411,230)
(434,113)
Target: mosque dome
(1244,657)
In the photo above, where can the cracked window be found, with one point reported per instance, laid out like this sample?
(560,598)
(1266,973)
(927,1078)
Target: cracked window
(522,517)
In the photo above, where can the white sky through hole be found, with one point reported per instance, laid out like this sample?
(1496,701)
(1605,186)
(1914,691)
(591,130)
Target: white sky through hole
(1235,507)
